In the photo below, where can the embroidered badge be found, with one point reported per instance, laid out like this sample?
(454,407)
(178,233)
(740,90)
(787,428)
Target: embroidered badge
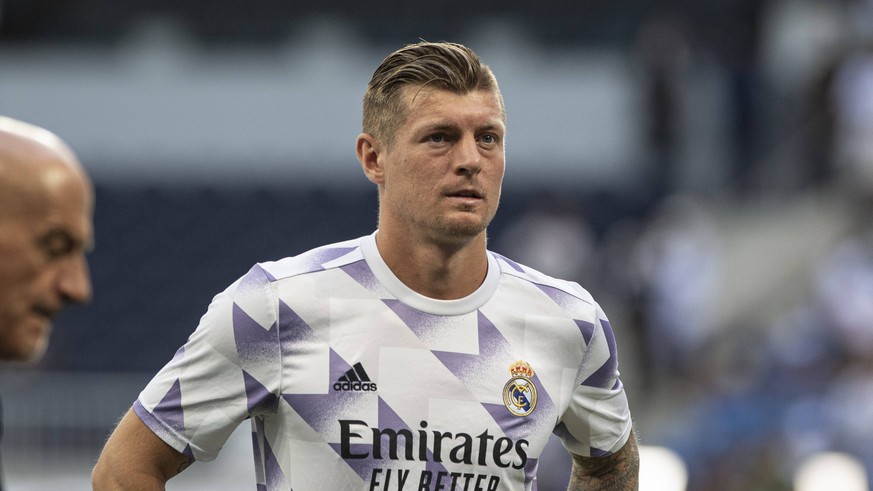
(520,393)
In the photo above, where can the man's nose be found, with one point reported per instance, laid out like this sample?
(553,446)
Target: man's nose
(74,281)
(467,156)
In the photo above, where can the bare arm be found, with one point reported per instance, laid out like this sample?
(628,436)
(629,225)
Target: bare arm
(134,458)
(617,472)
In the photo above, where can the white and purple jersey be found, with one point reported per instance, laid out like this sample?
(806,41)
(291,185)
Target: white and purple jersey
(353,381)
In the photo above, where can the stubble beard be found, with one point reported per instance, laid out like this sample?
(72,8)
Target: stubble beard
(458,230)
(446,228)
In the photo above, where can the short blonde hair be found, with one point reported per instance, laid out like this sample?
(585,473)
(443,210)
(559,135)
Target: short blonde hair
(446,66)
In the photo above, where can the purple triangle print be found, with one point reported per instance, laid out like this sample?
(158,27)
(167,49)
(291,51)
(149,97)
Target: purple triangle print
(418,322)
(272,470)
(253,279)
(494,350)
(530,473)
(604,375)
(324,256)
(260,399)
(360,272)
(169,410)
(253,342)
(294,332)
(514,265)
(362,466)
(390,419)
(587,330)
(560,297)
(322,410)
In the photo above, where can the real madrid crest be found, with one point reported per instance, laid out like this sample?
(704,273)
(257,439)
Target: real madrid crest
(520,393)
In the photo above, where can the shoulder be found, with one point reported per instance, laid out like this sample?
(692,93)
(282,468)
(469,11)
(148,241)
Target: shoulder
(562,291)
(253,292)
(319,259)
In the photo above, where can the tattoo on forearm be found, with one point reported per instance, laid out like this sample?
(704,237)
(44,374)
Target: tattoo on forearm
(618,472)
(184,465)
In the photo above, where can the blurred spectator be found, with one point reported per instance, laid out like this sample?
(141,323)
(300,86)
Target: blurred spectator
(845,287)
(552,236)
(677,261)
(740,52)
(774,395)
(802,43)
(849,410)
(853,99)
(664,51)
(817,125)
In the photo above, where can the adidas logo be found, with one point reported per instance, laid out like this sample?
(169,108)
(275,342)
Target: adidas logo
(355,379)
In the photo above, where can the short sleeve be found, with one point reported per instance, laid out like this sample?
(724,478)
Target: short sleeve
(597,421)
(226,372)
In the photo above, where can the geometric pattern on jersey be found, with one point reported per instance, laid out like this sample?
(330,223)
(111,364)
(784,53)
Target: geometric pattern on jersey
(353,381)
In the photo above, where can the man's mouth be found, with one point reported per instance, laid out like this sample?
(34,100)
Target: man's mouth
(44,312)
(465,193)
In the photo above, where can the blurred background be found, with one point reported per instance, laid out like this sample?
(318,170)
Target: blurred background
(705,169)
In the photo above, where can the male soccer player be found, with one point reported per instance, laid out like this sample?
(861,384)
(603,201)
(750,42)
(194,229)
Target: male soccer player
(412,358)
(46,203)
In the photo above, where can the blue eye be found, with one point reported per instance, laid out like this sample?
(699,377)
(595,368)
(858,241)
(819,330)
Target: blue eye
(438,138)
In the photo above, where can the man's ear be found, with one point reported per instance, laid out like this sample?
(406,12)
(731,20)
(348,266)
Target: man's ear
(368,150)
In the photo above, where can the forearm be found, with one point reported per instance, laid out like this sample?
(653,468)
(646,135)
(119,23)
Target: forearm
(617,472)
(135,459)
(108,477)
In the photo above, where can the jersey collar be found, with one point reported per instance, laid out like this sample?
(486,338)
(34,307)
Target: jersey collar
(420,302)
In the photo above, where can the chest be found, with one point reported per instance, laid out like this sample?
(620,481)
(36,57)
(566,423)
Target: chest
(380,364)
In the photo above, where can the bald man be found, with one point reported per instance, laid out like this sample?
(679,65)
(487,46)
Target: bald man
(46,208)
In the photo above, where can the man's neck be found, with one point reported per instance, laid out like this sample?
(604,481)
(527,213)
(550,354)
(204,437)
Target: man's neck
(443,271)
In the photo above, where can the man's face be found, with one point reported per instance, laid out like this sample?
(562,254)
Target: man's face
(42,258)
(442,174)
